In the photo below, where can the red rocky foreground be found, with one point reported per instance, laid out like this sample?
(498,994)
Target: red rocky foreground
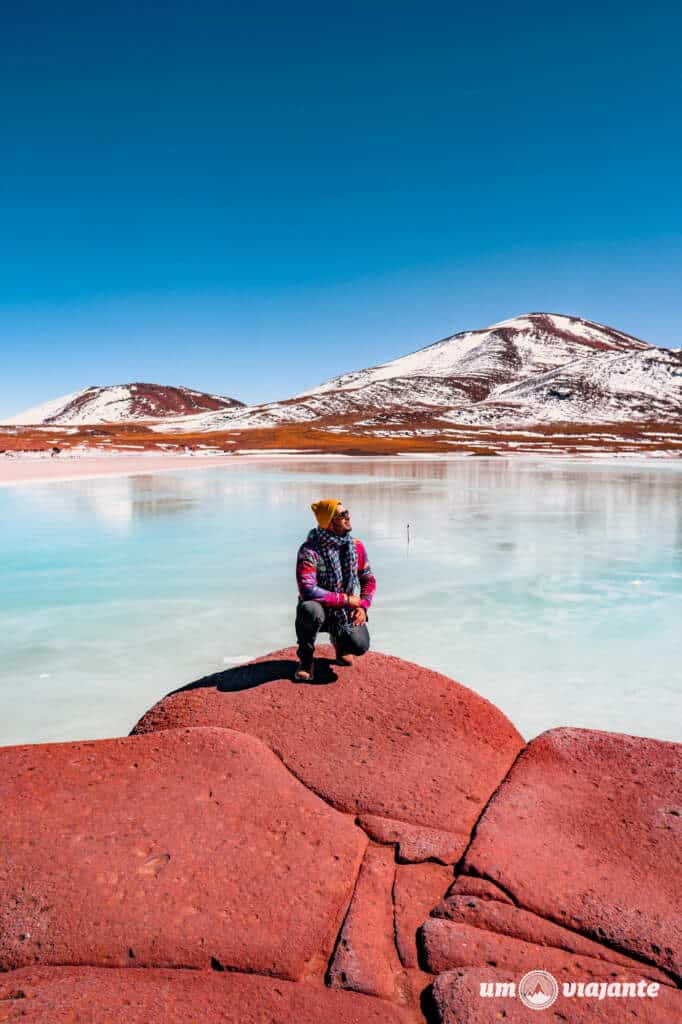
(372,847)
(62,995)
(410,752)
(585,831)
(184,849)
(457,999)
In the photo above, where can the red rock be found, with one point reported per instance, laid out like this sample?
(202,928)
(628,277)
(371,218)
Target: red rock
(366,959)
(515,923)
(174,849)
(457,1000)
(62,995)
(450,944)
(586,831)
(388,739)
(417,888)
(420,984)
(414,842)
(469,885)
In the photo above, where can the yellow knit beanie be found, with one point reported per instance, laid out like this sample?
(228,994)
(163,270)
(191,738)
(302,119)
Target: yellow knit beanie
(324,511)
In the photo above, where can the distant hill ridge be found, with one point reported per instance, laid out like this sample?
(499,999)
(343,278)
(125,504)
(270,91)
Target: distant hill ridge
(119,403)
(533,368)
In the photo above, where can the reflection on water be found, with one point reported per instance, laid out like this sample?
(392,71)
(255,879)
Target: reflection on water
(554,589)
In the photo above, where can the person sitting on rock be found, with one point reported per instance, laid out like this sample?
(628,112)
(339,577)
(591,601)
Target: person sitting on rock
(335,586)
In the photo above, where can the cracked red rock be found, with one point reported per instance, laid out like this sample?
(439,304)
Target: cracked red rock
(366,959)
(450,944)
(416,889)
(469,885)
(181,848)
(414,842)
(386,738)
(456,999)
(514,923)
(585,830)
(61,995)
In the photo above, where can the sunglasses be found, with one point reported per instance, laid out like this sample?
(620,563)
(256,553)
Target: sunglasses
(342,515)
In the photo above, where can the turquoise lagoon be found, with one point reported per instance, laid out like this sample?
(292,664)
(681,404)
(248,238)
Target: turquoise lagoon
(552,588)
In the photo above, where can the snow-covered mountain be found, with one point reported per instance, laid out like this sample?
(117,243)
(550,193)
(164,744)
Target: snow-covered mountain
(640,384)
(539,367)
(120,403)
(505,353)
(396,396)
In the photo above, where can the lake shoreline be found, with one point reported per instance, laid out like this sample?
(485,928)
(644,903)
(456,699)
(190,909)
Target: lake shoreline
(26,469)
(21,470)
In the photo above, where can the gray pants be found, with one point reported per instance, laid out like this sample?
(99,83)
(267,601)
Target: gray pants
(311,619)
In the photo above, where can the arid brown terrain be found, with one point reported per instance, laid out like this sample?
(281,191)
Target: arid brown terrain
(342,436)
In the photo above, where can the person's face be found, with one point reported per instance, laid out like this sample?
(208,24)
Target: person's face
(340,524)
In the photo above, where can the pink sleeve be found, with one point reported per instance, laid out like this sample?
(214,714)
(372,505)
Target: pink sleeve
(308,589)
(368,583)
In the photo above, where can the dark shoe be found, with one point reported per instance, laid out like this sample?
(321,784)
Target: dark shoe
(304,673)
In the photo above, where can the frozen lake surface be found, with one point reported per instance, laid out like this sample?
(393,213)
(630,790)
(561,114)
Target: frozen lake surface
(552,588)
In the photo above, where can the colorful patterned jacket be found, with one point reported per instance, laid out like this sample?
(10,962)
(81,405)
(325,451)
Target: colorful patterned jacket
(307,563)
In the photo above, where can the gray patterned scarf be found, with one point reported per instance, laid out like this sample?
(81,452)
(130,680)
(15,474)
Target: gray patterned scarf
(339,571)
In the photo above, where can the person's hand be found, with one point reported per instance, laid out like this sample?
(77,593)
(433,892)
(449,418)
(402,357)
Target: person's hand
(353,601)
(358,616)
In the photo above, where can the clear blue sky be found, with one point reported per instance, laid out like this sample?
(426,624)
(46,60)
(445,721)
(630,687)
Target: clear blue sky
(249,198)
